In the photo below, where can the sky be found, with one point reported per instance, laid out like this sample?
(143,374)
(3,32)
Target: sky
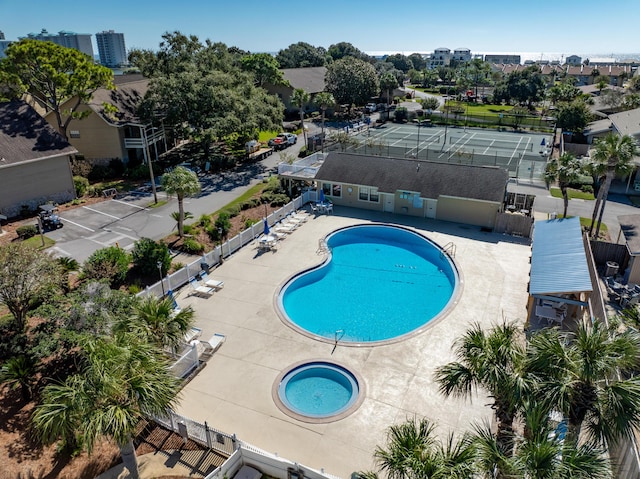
(550,27)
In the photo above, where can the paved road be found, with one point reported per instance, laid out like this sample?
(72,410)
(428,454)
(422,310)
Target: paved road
(126,219)
(617,204)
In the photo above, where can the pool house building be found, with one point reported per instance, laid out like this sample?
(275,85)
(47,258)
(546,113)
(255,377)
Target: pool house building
(460,193)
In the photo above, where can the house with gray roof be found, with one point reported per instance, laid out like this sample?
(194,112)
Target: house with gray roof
(113,129)
(34,160)
(461,193)
(309,79)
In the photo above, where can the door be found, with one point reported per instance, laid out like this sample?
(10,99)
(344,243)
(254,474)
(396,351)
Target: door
(388,203)
(430,208)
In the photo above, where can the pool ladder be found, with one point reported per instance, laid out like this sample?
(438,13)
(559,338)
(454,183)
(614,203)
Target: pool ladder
(337,332)
(323,248)
(450,248)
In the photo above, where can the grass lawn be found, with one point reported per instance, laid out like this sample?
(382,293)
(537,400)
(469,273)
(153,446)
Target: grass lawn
(158,204)
(265,136)
(250,193)
(573,194)
(586,223)
(36,242)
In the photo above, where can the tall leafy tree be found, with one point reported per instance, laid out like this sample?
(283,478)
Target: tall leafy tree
(613,156)
(400,61)
(123,379)
(300,99)
(351,81)
(565,170)
(418,61)
(493,361)
(324,100)
(340,50)
(573,116)
(580,378)
(302,55)
(26,275)
(54,74)
(181,182)
(201,90)
(264,67)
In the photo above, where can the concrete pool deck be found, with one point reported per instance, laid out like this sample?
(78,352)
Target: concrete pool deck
(233,392)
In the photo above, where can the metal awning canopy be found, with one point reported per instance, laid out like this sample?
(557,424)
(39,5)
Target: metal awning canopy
(558,260)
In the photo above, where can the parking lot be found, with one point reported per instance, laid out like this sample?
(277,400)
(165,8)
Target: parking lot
(114,221)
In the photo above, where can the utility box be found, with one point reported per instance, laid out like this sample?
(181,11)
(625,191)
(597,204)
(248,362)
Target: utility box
(182,430)
(612,268)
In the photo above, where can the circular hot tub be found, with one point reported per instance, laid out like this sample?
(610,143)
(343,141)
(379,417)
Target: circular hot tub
(317,391)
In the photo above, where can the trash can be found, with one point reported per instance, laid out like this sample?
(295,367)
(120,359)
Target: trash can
(612,268)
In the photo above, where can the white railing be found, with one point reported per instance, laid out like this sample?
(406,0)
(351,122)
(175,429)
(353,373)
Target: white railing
(224,250)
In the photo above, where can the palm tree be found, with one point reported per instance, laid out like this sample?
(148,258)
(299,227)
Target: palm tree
(388,82)
(493,361)
(565,170)
(19,373)
(300,98)
(123,380)
(540,453)
(412,451)
(613,156)
(155,320)
(324,100)
(181,182)
(582,379)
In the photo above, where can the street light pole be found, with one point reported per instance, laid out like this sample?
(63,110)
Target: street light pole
(418,143)
(159,265)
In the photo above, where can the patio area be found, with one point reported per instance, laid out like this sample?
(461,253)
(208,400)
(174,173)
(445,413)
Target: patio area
(233,392)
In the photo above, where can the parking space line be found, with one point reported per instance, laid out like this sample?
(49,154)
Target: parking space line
(128,204)
(101,212)
(78,225)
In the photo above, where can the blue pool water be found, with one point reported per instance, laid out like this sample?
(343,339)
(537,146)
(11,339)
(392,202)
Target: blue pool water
(381,282)
(318,390)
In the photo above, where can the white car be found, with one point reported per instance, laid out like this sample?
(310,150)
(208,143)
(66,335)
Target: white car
(371,107)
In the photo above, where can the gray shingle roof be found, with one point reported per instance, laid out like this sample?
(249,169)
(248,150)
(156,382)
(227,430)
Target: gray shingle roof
(627,122)
(309,79)
(126,97)
(25,135)
(430,179)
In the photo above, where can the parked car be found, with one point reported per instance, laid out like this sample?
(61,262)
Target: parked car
(283,140)
(371,107)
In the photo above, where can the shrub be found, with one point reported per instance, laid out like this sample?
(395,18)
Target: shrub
(100,173)
(191,246)
(587,189)
(147,253)
(25,211)
(110,263)
(137,172)
(232,211)
(205,221)
(26,231)
(80,166)
(248,223)
(117,167)
(81,184)
(188,229)
(401,114)
(68,264)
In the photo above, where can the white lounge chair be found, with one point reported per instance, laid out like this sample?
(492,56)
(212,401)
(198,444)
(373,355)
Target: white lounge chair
(213,343)
(285,228)
(200,290)
(211,283)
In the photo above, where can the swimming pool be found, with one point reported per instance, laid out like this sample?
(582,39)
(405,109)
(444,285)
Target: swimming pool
(317,391)
(379,283)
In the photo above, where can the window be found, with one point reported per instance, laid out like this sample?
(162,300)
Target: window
(331,189)
(405,196)
(74,134)
(366,193)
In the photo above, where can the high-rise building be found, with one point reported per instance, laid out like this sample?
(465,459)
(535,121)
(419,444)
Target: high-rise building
(4,44)
(111,48)
(79,41)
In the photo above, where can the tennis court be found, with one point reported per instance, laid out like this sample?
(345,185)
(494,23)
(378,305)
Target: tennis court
(523,154)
